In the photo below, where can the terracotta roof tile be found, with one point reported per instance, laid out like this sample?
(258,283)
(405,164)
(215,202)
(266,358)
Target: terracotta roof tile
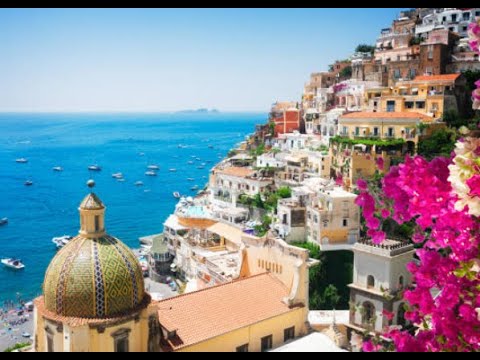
(388,115)
(217,310)
(444,77)
(237,171)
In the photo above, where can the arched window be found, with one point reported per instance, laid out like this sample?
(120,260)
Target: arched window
(401,315)
(368,312)
(370,282)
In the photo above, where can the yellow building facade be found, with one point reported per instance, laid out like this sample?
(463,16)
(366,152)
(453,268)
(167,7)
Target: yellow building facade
(430,95)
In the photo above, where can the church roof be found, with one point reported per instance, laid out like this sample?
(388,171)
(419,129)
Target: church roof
(229,307)
(93,278)
(92,202)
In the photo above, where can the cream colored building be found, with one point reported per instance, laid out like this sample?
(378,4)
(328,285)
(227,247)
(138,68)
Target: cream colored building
(228,183)
(379,270)
(333,219)
(384,125)
(93,294)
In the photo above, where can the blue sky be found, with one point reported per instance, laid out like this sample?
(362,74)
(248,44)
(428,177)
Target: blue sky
(171,59)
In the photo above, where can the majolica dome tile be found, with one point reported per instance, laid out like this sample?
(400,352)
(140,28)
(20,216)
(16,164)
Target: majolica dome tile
(93,278)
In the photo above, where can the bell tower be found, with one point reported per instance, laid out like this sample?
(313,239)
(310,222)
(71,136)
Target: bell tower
(379,277)
(92,215)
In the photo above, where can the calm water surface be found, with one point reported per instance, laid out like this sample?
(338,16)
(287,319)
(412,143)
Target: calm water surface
(115,142)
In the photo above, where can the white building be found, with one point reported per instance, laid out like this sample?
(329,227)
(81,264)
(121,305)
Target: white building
(453,19)
(379,270)
(271,160)
(329,124)
(296,141)
(227,184)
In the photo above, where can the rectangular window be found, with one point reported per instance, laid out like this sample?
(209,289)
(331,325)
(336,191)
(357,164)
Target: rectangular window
(49,343)
(345,130)
(375,131)
(428,70)
(466,16)
(396,73)
(454,17)
(345,222)
(420,104)
(289,334)
(242,348)
(390,106)
(121,344)
(97,223)
(357,131)
(409,104)
(267,343)
(390,132)
(413,72)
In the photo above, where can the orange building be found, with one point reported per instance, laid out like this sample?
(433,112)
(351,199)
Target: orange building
(289,122)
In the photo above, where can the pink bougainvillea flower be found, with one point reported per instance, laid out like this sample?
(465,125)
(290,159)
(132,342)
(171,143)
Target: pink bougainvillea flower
(380,163)
(474,185)
(442,198)
(388,314)
(385,213)
(362,184)
(369,346)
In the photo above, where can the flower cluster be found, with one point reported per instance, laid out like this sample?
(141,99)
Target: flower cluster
(476,96)
(474,35)
(474,42)
(465,175)
(444,302)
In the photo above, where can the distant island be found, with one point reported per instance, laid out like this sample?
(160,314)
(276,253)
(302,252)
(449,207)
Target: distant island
(201,110)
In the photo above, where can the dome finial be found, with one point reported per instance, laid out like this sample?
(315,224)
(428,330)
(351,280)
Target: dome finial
(90,183)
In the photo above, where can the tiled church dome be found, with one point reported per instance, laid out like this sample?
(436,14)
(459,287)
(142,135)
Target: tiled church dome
(95,275)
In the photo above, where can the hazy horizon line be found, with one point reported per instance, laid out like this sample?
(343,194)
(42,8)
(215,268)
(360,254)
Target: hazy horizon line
(128,111)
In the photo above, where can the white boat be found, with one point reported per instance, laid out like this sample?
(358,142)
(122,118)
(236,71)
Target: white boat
(61,241)
(141,154)
(176,195)
(28,183)
(139,183)
(190,163)
(117,175)
(120,179)
(21,161)
(57,168)
(201,167)
(3,221)
(147,190)
(153,167)
(94,168)
(190,179)
(13,263)
(172,170)
(193,188)
(151,173)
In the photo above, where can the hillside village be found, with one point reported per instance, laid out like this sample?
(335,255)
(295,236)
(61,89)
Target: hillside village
(292,184)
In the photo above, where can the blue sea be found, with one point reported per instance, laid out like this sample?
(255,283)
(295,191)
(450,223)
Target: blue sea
(115,142)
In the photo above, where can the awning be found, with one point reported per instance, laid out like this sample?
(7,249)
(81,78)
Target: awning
(228,232)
